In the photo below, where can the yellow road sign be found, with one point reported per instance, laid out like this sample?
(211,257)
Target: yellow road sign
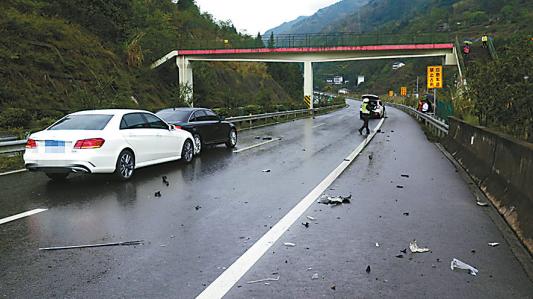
(307,100)
(403,91)
(434,76)
(391,93)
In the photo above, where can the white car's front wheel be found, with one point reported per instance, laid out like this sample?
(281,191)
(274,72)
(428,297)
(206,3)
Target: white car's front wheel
(187,152)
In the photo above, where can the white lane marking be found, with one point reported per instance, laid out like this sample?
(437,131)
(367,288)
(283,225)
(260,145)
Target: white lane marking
(219,287)
(319,125)
(21,215)
(255,145)
(14,171)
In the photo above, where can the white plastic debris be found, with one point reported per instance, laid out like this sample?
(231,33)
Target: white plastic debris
(264,279)
(377,244)
(288,244)
(315,276)
(462,265)
(481,203)
(266,170)
(311,218)
(494,244)
(414,247)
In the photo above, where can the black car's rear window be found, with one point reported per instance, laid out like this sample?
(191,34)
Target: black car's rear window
(82,122)
(174,116)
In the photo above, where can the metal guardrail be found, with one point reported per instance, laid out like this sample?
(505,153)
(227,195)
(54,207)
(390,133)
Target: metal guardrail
(11,147)
(438,127)
(15,146)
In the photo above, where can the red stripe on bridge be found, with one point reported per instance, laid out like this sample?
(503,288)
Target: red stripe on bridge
(317,49)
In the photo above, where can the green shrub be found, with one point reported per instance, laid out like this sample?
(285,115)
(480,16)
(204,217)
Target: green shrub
(14,118)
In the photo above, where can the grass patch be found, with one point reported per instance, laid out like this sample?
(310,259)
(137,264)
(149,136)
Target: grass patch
(8,163)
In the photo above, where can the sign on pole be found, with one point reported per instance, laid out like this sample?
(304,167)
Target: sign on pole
(403,91)
(307,100)
(434,76)
(391,93)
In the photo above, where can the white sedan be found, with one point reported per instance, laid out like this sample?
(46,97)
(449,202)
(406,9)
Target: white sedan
(106,141)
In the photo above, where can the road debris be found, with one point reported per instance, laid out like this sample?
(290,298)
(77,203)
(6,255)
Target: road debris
(347,160)
(315,276)
(377,244)
(335,201)
(399,186)
(165,180)
(306,224)
(400,256)
(257,137)
(370,157)
(266,170)
(289,244)
(404,250)
(197,208)
(157,194)
(482,204)
(333,287)
(406,213)
(494,244)
(263,280)
(267,138)
(368,269)
(128,243)
(311,218)
(405,175)
(462,265)
(414,248)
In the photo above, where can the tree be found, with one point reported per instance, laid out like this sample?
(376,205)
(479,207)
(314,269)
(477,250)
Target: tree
(259,41)
(271,43)
(186,4)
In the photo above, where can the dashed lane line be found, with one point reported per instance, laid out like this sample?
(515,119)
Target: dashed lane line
(224,283)
(21,215)
(256,145)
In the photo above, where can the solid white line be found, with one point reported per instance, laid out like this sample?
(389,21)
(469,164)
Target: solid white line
(14,171)
(21,215)
(219,287)
(318,125)
(255,145)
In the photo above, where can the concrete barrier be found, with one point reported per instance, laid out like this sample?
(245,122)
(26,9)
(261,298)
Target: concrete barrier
(502,167)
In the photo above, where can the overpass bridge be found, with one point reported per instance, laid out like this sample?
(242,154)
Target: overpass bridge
(311,50)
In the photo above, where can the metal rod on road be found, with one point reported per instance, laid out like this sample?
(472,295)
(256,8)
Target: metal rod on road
(128,243)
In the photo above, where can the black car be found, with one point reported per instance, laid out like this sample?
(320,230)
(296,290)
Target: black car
(206,126)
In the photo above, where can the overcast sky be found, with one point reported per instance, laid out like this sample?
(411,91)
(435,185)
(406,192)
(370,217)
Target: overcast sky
(260,15)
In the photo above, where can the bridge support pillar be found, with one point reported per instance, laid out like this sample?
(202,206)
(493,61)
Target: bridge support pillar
(308,83)
(185,78)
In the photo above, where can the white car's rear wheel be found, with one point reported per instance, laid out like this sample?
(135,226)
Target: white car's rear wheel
(125,165)
(187,152)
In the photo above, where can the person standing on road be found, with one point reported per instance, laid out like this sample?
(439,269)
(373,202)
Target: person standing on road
(365,113)
(484,40)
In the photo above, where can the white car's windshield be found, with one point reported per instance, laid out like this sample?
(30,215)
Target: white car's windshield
(82,122)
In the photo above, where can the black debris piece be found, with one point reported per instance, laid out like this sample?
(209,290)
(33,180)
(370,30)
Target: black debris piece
(333,287)
(392,131)
(306,224)
(370,157)
(157,194)
(406,213)
(405,251)
(257,137)
(197,208)
(128,243)
(266,170)
(379,130)
(405,175)
(347,160)
(400,256)
(473,251)
(368,269)
(267,138)
(399,186)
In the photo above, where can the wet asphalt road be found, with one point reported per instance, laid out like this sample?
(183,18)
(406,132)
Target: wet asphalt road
(218,206)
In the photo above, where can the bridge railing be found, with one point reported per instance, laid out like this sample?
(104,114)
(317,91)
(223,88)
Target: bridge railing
(316,40)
